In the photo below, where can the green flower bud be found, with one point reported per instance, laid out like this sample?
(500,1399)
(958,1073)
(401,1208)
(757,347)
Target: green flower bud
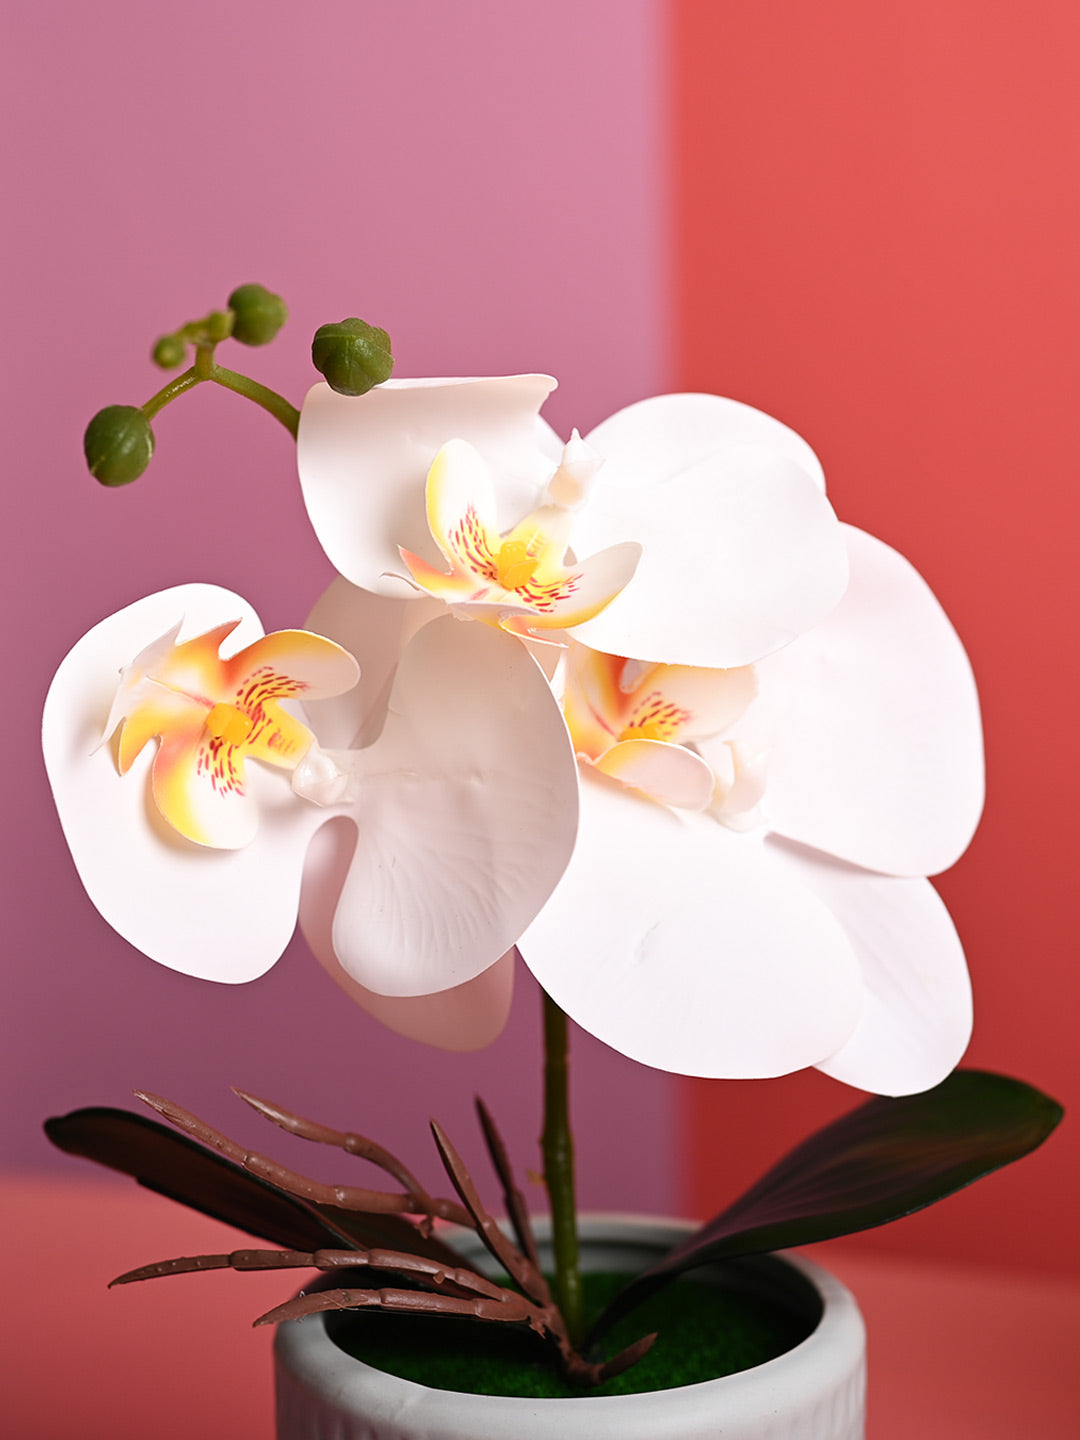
(169,352)
(219,326)
(118,444)
(353,355)
(258,315)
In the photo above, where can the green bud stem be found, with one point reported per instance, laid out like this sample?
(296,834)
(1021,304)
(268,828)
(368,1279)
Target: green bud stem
(557,1146)
(204,360)
(206,368)
(262,395)
(169,392)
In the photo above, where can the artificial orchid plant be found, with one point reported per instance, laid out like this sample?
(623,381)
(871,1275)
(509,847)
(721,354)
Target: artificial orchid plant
(636,708)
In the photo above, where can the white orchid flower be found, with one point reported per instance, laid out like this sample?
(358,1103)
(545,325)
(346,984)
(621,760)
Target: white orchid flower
(740,550)
(747,894)
(523,580)
(444,787)
(708,946)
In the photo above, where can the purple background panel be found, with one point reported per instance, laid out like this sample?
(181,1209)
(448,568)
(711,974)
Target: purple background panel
(482,179)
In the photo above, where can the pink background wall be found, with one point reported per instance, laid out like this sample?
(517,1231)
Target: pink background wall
(484,180)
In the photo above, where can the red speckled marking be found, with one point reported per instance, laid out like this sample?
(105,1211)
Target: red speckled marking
(217,759)
(655,710)
(471,552)
(470,548)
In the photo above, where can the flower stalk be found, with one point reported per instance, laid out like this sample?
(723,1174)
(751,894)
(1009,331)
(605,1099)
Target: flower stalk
(170,391)
(207,368)
(557,1146)
(119,441)
(262,395)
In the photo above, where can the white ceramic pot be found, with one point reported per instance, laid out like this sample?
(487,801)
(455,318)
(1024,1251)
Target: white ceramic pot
(815,1391)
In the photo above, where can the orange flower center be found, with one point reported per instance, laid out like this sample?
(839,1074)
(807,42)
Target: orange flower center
(226,722)
(646,730)
(514,566)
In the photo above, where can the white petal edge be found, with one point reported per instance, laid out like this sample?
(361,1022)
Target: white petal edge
(680,945)
(878,759)
(712,699)
(661,436)
(465,1018)
(741,553)
(917,1018)
(217,915)
(668,774)
(375,629)
(363,463)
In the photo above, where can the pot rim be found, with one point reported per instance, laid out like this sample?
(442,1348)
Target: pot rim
(305,1352)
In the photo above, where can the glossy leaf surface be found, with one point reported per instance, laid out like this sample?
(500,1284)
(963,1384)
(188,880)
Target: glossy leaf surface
(886,1159)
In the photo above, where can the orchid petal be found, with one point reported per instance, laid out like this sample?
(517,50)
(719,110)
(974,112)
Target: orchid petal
(375,629)
(136,692)
(522,580)
(546,532)
(211,714)
(680,945)
(592,699)
(670,774)
(659,438)
(742,553)
(873,726)
(547,603)
(204,796)
(466,810)
(461,506)
(916,1021)
(466,1017)
(161,711)
(607,697)
(292,664)
(169,687)
(441,584)
(585,588)
(217,914)
(707,700)
(363,462)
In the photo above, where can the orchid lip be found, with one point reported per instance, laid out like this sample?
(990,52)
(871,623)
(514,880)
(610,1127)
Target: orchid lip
(526,569)
(212,713)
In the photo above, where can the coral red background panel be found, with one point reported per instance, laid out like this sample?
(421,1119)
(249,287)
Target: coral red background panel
(876,223)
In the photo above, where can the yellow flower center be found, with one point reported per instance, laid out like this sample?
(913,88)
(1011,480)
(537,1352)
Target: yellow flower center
(514,566)
(647,730)
(226,722)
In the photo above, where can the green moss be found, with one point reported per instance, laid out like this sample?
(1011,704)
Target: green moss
(705,1331)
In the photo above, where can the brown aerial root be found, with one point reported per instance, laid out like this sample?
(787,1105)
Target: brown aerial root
(430,1285)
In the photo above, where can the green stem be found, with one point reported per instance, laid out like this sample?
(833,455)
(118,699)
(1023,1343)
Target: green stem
(557,1145)
(205,368)
(169,392)
(262,395)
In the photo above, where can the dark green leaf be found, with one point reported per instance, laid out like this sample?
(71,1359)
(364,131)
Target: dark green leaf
(169,1163)
(886,1159)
